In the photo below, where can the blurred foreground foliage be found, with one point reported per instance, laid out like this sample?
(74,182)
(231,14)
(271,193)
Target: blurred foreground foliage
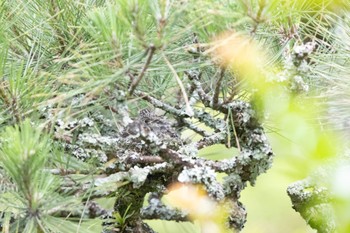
(81,82)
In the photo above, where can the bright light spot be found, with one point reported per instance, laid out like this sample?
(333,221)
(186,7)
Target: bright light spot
(341,182)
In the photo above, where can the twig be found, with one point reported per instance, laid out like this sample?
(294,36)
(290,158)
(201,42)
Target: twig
(159,104)
(135,82)
(10,102)
(234,129)
(197,86)
(257,19)
(158,210)
(177,158)
(194,128)
(218,87)
(63,172)
(203,117)
(211,140)
(189,110)
(145,159)
(3,96)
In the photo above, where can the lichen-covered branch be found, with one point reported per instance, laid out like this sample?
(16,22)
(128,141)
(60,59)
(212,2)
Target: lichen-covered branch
(314,205)
(137,155)
(156,136)
(148,154)
(156,209)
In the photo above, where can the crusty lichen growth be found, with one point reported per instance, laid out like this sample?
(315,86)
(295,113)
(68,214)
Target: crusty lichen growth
(316,198)
(156,209)
(313,204)
(140,152)
(146,153)
(296,67)
(157,156)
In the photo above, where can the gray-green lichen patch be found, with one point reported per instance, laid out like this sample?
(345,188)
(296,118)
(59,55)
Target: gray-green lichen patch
(205,176)
(314,205)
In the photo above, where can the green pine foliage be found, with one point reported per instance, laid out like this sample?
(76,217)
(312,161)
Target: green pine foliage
(31,199)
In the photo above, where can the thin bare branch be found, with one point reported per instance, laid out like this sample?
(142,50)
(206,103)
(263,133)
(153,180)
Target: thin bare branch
(218,87)
(189,110)
(151,49)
